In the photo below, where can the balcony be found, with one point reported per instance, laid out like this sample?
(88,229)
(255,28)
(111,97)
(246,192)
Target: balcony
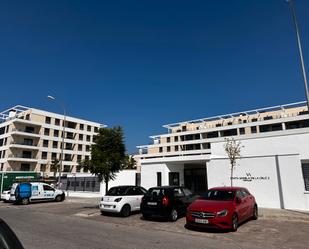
(25,132)
(24,145)
(22,158)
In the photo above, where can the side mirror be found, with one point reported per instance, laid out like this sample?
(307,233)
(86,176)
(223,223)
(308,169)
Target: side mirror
(238,200)
(8,238)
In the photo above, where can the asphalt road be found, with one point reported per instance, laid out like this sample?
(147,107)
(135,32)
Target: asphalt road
(79,225)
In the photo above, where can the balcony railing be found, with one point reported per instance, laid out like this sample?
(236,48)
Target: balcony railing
(26,131)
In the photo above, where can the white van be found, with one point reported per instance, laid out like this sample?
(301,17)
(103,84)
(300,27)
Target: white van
(37,191)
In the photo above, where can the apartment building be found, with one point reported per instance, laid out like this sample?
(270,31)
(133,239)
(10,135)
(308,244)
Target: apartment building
(274,162)
(31,139)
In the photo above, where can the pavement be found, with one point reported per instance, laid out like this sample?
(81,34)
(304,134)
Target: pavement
(77,223)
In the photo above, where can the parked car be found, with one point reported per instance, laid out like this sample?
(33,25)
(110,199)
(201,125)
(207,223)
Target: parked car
(223,208)
(122,200)
(169,202)
(37,191)
(5,196)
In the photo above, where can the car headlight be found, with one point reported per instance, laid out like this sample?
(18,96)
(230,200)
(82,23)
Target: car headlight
(118,199)
(222,213)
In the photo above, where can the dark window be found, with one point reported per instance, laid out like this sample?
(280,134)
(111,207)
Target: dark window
(134,191)
(218,125)
(57,121)
(81,126)
(55,144)
(160,149)
(168,148)
(254,120)
(70,135)
(184,128)
(27,141)
(56,133)
(48,188)
(25,167)
(68,146)
(47,120)
(88,128)
(212,134)
(227,133)
(87,148)
(173,178)
(54,156)
(253,129)
(168,139)
(219,195)
(79,158)
(96,129)
(176,147)
(46,132)
(159,179)
(43,168)
(67,157)
(29,129)
(67,168)
(80,147)
(45,143)
(271,127)
(44,155)
(27,154)
(297,124)
(71,125)
(81,137)
(175,139)
(305,169)
(78,168)
(242,131)
(86,158)
(88,138)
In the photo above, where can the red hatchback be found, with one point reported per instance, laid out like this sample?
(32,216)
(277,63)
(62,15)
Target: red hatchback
(223,208)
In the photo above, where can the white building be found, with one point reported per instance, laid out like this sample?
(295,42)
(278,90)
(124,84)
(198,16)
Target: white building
(31,139)
(274,163)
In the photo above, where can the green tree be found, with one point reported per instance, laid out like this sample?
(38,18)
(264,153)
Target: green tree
(55,166)
(107,154)
(232,149)
(129,162)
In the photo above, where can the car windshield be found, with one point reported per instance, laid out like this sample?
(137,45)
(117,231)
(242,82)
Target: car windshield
(158,191)
(117,191)
(219,195)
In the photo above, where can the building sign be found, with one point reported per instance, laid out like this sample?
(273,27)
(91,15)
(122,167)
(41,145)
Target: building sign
(250,178)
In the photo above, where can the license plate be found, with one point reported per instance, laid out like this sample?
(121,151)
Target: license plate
(152,203)
(107,206)
(201,221)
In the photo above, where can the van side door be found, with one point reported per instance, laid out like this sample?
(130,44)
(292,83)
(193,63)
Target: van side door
(49,192)
(36,192)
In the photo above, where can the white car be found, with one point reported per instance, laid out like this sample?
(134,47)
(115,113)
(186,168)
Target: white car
(5,196)
(123,200)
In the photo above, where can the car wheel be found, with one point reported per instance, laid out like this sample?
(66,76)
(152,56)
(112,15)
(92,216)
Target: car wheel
(255,213)
(173,215)
(126,210)
(25,201)
(58,198)
(234,223)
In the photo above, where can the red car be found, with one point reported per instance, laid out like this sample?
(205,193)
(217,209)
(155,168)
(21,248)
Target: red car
(223,208)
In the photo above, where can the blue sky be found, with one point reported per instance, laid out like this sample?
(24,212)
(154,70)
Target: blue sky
(142,64)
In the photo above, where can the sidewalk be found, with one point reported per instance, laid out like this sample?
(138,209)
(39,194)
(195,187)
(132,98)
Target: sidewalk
(284,214)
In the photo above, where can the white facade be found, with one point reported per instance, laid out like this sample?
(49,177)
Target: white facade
(270,165)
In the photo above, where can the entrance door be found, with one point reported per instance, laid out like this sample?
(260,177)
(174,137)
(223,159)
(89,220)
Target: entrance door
(173,178)
(196,179)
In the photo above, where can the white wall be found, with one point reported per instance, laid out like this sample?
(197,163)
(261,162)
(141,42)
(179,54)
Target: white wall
(124,177)
(149,174)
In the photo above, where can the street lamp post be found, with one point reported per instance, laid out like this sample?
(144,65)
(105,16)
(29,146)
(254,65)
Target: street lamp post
(292,8)
(63,135)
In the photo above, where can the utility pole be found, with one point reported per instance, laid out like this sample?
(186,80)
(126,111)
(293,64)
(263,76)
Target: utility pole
(301,57)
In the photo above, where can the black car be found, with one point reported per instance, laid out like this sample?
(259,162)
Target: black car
(169,202)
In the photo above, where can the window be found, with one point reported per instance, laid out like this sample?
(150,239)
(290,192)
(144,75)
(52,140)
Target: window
(56,133)
(26,154)
(45,143)
(79,158)
(88,138)
(173,178)
(55,144)
(159,179)
(168,148)
(80,147)
(96,129)
(67,168)
(68,146)
(178,192)
(29,129)
(254,120)
(70,135)
(253,129)
(81,137)
(176,147)
(67,157)
(88,128)
(176,139)
(78,168)
(242,131)
(168,139)
(25,167)
(54,156)
(87,148)
(305,169)
(134,191)
(81,126)
(48,188)
(27,141)
(187,192)
(160,149)
(47,120)
(43,167)
(46,132)
(44,155)
(57,121)
(269,128)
